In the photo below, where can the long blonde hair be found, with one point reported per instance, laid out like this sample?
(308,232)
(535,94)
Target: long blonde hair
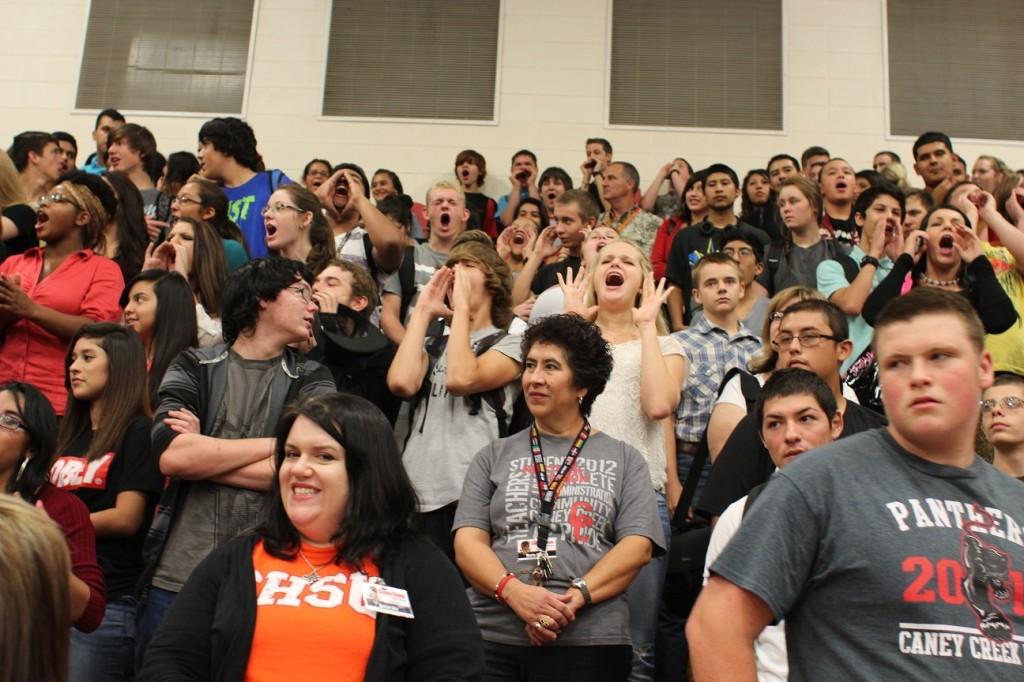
(35,614)
(11,191)
(645,269)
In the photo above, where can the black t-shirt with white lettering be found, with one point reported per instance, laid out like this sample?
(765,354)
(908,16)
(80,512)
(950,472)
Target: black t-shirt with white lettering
(130,467)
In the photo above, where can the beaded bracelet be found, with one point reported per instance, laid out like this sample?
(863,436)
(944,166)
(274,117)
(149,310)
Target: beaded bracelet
(501,586)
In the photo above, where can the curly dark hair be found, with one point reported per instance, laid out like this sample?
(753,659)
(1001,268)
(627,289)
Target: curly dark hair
(381,505)
(588,354)
(233,137)
(257,280)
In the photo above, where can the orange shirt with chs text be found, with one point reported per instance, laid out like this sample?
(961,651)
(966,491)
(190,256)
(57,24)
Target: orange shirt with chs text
(309,632)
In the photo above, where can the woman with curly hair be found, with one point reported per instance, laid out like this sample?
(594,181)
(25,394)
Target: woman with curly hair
(555,522)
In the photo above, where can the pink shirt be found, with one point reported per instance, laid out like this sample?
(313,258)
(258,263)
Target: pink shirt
(85,284)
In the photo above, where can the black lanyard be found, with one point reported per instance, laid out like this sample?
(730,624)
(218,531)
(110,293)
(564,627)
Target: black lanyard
(549,491)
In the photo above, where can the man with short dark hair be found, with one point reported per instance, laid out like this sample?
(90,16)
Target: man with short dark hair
(795,413)
(838,190)
(883,159)
(599,155)
(933,161)
(892,554)
(228,156)
(68,145)
(812,161)
(813,335)
(38,159)
(782,167)
(878,212)
(523,179)
(213,429)
(721,189)
(619,182)
(107,121)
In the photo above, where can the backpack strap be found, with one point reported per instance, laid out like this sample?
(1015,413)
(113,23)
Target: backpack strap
(754,493)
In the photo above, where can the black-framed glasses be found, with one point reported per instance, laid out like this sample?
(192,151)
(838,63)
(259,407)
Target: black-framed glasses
(305,293)
(742,252)
(1010,402)
(11,422)
(806,340)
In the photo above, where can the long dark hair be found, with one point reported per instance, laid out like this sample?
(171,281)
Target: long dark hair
(40,424)
(124,396)
(760,216)
(209,267)
(132,237)
(212,196)
(174,328)
(684,210)
(381,503)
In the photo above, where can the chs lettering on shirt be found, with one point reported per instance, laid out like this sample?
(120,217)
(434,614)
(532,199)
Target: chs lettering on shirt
(278,588)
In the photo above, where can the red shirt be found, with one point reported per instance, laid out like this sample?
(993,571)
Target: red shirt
(71,514)
(85,284)
(663,244)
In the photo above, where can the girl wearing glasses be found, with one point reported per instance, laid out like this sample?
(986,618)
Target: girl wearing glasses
(28,434)
(201,199)
(48,293)
(296,228)
(195,251)
(104,460)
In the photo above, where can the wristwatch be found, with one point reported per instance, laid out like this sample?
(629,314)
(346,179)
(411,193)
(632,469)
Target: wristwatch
(581,585)
(869,260)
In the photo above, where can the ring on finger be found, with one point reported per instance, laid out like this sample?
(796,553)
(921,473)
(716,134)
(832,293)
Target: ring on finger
(546,622)
(538,625)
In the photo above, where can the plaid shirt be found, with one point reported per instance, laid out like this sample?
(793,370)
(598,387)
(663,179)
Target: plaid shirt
(712,353)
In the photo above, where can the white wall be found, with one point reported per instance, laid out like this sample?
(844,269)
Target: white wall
(553,79)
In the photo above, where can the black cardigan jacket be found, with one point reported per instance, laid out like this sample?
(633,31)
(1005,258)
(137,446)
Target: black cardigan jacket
(207,634)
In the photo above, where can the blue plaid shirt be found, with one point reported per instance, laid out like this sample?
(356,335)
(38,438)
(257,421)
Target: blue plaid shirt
(712,353)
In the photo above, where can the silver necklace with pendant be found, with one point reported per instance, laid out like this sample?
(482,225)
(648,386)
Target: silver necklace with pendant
(313,576)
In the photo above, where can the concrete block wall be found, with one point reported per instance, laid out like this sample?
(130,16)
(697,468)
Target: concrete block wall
(552,93)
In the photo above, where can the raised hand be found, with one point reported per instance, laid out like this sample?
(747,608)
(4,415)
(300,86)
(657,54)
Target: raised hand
(462,288)
(652,298)
(967,243)
(912,245)
(544,245)
(575,290)
(432,296)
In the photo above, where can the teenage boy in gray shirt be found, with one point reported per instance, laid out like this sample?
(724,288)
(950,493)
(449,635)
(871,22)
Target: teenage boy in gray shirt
(891,554)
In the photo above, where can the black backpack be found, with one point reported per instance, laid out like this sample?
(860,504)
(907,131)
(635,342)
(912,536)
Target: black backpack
(437,343)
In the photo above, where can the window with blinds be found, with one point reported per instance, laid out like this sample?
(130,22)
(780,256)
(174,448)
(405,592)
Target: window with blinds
(187,56)
(415,59)
(953,67)
(696,64)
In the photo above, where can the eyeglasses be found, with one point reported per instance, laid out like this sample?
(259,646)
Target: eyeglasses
(1010,402)
(278,207)
(182,199)
(57,198)
(10,422)
(807,340)
(305,293)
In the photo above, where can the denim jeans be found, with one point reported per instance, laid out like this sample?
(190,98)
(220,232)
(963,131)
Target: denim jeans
(644,597)
(151,613)
(505,663)
(108,653)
